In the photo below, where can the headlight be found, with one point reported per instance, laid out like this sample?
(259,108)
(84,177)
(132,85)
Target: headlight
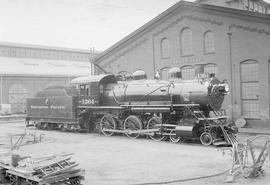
(226,87)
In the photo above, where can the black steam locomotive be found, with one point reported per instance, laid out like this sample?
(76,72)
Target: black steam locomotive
(176,109)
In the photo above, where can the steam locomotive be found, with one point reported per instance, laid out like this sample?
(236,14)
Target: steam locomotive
(159,109)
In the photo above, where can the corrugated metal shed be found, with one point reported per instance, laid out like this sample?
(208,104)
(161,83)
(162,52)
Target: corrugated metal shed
(41,67)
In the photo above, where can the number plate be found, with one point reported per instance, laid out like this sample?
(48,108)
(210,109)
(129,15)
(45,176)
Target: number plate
(85,101)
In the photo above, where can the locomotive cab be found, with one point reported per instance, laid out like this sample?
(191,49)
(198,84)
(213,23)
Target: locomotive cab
(92,88)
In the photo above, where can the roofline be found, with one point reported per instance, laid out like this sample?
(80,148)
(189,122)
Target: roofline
(263,17)
(35,46)
(261,1)
(38,75)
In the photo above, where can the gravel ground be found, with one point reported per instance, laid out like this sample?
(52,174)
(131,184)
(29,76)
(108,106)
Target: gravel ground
(118,160)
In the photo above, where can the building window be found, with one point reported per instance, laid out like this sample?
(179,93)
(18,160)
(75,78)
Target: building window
(165,48)
(251,5)
(13,52)
(260,8)
(209,43)
(245,4)
(211,69)
(256,8)
(21,52)
(188,72)
(250,89)
(186,41)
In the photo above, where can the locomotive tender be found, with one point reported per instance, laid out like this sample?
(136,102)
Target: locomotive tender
(176,109)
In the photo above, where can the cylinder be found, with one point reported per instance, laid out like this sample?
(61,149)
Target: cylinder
(184,131)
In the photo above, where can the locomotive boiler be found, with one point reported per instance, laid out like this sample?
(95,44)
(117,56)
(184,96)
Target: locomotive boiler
(176,109)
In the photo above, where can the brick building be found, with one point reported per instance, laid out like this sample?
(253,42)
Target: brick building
(231,37)
(25,69)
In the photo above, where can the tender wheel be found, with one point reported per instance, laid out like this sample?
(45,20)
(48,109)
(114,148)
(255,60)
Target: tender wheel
(132,123)
(174,138)
(42,125)
(206,138)
(153,123)
(107,122)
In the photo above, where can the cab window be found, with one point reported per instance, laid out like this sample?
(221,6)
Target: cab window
(89,89)
(82,90)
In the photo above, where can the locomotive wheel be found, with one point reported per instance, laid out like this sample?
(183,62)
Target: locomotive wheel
(108,122)
(175,139)
(132,123)
(151,124)
(206,138)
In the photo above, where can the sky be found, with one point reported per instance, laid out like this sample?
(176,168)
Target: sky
(81,24)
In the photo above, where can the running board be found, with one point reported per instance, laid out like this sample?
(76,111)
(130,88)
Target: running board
(214,118)
(142,132)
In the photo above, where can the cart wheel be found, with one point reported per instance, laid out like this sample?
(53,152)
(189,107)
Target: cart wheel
(14,180)
(75,181)
(32,183)
(153,123)
(206,138)
(107,122)
(132,123)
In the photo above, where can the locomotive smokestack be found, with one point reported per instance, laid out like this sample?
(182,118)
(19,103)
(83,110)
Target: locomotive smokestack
(199,69)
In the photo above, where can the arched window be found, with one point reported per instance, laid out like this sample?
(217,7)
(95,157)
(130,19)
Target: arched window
(17,95)
(188,72)
(186,41)
(165,48)
(250,89)
(209,43)
(211,68)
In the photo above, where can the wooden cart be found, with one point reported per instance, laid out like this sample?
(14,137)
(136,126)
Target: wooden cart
(52,172)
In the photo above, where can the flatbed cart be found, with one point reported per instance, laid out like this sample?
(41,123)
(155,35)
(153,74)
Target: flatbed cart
(47,175)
